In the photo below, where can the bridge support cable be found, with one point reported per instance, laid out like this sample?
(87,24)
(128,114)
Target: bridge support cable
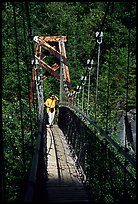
(37,75)
(61,73)
(30,37)
(99,41)
(95,47)
(38,79)
(109,67)
(32,53)
(127,76)
(127,91)
(28,65)
(90,65)
(19,85)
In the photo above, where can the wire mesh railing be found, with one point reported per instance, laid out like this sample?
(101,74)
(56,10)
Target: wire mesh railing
(106,171)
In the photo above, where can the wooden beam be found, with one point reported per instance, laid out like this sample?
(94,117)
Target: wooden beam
(53,38)
(53,51)
(44,42)
(65,69)
(48,68)
(55,66)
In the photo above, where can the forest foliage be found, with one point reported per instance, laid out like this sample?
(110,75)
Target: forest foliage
(79,21)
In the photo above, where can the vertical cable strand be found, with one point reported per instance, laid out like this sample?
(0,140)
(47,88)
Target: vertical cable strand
(27,69)
(19,83)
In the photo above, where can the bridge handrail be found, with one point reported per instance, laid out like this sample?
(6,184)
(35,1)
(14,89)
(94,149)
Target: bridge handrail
(127,156)
(34,166)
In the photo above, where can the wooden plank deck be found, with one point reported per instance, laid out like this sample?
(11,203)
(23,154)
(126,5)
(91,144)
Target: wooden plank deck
(63,183)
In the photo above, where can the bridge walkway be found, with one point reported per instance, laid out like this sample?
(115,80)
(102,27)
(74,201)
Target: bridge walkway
(64,183)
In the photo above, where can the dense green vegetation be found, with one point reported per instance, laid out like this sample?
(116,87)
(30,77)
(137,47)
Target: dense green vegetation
(79,22)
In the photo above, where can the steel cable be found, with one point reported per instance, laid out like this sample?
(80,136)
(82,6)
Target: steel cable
(19,83)
(27,69)
(94,49)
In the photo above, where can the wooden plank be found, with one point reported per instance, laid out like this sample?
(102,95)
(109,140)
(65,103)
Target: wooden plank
(64,184)
(53,38)
(67,194)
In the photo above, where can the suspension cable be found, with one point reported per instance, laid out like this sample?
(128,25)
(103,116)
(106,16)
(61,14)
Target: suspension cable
(127,81)
(96,94)
(27,69)
(39,84)
(31,40)
(30,34)
(94,49)
(19,84)
(109,67)
(127,69)
(34,105)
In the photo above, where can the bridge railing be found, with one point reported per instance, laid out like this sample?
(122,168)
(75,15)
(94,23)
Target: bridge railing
(105,168)
(37,175)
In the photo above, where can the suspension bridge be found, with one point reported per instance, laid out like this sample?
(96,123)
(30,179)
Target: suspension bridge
(73,155)
(75,160)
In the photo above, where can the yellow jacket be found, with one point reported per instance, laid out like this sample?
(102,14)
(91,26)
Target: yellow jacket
(50,103)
